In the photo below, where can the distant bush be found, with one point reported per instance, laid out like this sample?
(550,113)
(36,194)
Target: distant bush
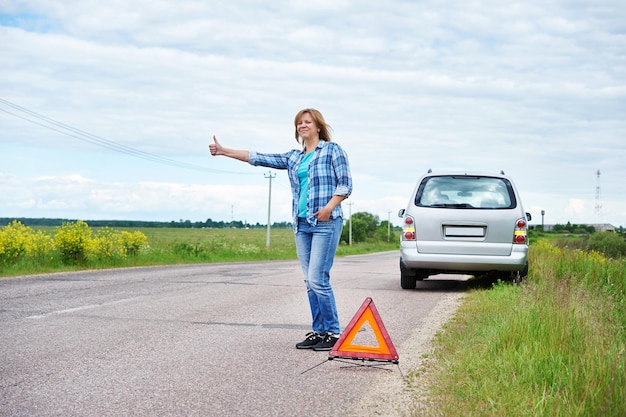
(611,245)
(573,228)
(367,227)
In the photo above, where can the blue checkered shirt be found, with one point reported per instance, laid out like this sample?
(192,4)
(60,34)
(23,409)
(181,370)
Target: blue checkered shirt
(329,174)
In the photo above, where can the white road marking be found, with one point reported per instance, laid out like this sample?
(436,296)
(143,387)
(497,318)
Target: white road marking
(75,309)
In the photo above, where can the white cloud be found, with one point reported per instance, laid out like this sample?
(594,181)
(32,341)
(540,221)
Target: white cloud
(532,88)
(87,199)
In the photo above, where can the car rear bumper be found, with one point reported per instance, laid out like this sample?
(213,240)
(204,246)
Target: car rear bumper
(515,261)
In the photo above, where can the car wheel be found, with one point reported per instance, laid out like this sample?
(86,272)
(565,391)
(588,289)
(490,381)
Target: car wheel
(519,276)
(408,278)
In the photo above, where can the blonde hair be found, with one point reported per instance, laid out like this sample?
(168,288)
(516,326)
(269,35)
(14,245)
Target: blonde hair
(321,124)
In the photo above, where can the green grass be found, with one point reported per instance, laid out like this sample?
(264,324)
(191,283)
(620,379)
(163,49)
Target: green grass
(170,246)
(554,346)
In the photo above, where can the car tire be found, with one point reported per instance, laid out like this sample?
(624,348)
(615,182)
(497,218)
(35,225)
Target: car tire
(519,276)
(408,277)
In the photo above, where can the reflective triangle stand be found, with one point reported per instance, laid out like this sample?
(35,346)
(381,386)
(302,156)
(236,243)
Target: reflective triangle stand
(347,350)
(371,363)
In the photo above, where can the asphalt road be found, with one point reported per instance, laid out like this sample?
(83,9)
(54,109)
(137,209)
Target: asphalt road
(193,340)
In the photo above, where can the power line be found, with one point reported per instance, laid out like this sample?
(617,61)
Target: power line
(54,125)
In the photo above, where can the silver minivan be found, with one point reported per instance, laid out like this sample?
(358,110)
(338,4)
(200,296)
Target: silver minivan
(463,223)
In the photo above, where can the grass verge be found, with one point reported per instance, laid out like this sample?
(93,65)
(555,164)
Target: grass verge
(553,346)
(171,246)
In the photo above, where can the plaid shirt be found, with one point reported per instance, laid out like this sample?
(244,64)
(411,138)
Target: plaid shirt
(329,174)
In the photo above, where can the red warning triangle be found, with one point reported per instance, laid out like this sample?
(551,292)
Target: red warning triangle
(346,347)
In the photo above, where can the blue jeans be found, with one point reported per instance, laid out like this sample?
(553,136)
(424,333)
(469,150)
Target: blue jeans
(316,247)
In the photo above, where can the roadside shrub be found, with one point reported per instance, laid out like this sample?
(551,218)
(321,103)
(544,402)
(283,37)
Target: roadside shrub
(13,239)
(78,244)
(73,240)
(39,246)
(106,244)
(133,242)
(611,245)
(189,249)
(205,250)
(570,242)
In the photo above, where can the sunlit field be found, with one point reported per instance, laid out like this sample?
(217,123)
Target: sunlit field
(25,250)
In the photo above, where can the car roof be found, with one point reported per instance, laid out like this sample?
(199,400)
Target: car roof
(431,173)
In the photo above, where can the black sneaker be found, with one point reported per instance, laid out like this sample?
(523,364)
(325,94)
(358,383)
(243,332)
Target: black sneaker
(312,339)
(327,343)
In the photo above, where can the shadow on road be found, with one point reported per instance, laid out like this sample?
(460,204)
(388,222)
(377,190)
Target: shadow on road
(457,283)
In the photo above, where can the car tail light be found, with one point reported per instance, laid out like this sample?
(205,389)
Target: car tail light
(520,235)
(408,228)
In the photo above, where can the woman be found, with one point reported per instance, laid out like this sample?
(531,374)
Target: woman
(320,180)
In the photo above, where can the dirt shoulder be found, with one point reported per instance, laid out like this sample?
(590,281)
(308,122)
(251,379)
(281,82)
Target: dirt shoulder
(390,395)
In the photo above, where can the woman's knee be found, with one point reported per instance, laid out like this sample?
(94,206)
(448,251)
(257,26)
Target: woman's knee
(319,287)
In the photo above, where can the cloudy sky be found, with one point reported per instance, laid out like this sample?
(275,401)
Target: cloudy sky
(107,108)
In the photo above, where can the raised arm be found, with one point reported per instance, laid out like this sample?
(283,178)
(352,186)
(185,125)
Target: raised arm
(217,149)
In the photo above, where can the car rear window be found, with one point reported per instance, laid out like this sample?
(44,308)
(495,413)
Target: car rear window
(465,191)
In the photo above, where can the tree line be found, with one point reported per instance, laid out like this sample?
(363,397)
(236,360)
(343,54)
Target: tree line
(181,224)
(363,227)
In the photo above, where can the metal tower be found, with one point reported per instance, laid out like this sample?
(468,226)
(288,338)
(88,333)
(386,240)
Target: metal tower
(598,204)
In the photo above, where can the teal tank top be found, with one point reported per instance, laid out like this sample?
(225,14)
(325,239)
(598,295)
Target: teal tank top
(303,175)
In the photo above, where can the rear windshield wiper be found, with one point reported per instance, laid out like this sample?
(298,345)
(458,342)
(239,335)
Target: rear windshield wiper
(452,205)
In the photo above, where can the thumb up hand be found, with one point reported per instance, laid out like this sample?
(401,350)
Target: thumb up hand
(216,148)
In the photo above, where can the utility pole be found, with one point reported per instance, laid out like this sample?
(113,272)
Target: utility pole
(269,208)
(598,203)
(388,226)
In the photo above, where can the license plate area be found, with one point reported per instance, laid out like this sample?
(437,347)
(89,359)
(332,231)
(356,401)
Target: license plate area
(464,231)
